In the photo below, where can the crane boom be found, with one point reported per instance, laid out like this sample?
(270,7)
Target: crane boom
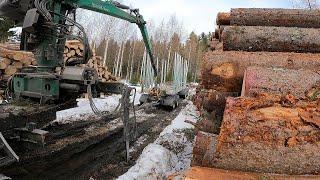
(115,9)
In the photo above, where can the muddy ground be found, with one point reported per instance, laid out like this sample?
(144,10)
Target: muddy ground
(101,156)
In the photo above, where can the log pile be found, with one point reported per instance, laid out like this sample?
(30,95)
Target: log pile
(104,74)
(269,38)
(266,133)
(267,127)
(273,61)
(74,50)
(11,61)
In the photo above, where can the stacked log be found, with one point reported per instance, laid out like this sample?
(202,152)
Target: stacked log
(11,61)
(270,17)
(272,58)
(273,39)
(104,74)
(278,81)
(215,173)
(224,70)
(268,134)
(74,50)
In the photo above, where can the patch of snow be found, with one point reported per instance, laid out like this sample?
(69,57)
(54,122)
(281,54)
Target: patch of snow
(84,110)
(136,100)
(170,153)
(153,163)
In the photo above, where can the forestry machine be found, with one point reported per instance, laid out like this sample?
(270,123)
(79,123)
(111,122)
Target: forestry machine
(46,25)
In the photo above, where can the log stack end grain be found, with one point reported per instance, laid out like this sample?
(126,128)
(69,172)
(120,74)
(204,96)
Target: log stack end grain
(223,18)
(74,50)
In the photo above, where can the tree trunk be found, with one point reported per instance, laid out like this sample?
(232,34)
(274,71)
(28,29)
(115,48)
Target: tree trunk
(132,61)
(224,70)
(278,81)
(105,54)
(121,61)
(273,39)
(271,17)
(269,135)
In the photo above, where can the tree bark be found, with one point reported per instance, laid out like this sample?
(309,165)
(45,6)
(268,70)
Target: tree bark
(273,39)
(270,17)
(269,136)
(278,81)
(224,70)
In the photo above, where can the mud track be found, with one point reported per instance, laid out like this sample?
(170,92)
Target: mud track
(77,155)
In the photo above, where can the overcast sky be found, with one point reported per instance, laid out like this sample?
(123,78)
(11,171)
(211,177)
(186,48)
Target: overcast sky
(198,15)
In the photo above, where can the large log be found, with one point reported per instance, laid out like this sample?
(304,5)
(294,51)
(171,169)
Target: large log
(270,17)
(278,81)
(274,39)
(224,70)
(22,56)
(4,63)
(275,17)
(266,134)
(10,70)
(203,173)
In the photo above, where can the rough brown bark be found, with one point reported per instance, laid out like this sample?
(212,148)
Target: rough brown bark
(275,17)
(273,39)
(221,174)
(278,81)
(266,134)
(224,70)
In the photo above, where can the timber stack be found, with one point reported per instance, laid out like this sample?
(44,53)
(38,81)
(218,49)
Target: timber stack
(261,87)
(12,60)
(73,54)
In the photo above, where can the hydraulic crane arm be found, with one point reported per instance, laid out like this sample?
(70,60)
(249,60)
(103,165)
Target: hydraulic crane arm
(115,9)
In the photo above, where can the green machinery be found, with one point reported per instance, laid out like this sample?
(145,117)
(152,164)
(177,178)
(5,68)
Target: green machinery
(46,25)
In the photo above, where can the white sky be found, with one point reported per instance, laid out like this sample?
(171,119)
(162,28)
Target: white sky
(197,15)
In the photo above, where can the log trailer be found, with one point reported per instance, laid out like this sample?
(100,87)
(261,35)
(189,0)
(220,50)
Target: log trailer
(46,26)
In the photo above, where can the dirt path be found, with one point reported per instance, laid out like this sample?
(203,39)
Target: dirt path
(104,159)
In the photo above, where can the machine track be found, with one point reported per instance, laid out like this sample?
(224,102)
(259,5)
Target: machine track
(93,148)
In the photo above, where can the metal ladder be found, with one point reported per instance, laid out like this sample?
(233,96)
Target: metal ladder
(9,156)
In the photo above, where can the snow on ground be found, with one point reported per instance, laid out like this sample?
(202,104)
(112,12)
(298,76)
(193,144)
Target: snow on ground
(170,153)
(83,109)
